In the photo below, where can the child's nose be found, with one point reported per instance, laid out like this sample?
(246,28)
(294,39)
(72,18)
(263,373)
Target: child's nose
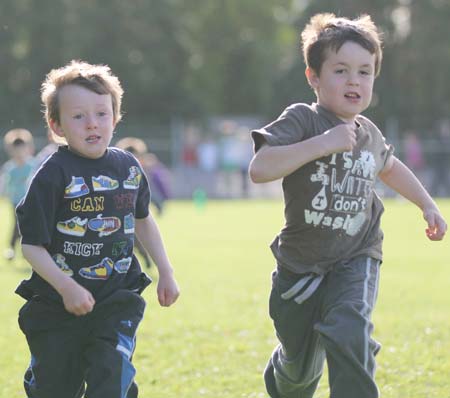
(91,122)
(353,79)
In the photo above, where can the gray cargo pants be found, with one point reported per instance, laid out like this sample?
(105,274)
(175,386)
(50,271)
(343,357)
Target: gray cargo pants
(330,321)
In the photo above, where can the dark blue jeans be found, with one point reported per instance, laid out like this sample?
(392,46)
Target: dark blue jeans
(92,353)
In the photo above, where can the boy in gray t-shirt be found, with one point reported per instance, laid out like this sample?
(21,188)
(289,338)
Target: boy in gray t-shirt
(329,251)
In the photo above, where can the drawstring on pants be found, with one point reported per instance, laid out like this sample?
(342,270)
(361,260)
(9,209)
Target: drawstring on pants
(308,284)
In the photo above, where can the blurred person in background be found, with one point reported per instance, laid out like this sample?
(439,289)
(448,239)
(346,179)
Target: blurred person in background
(189,155)
(15,176)
(414,158)
(440,160)
(52,146)
(157,175)
(158,178)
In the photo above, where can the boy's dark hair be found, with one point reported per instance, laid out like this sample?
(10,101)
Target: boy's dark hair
(18,142)
(96,78)
(328,32)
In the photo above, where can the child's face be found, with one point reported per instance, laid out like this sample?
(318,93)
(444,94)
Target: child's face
(86,120)
(346,81)
(20,153)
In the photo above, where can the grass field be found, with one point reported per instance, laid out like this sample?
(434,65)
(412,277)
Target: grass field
(215,341)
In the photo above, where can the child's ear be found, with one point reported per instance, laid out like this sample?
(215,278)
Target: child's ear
(56,128)
(312,77)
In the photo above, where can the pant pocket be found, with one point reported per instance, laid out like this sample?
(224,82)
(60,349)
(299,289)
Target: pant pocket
(37,316)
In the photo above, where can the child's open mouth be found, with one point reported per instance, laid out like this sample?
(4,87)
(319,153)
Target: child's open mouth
(352,96)
(92,139)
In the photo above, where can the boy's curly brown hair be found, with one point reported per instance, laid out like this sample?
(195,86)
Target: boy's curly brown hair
(328,32)
(97,78)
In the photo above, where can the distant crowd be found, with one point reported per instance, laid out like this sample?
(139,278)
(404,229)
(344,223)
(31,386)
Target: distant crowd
(431,162)
(23,162)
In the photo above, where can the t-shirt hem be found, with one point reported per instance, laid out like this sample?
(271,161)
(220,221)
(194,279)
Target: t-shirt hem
(298,267)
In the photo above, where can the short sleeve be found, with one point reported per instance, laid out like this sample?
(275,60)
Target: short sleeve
(143,199)
(36,213)
(290,127)
(387,153)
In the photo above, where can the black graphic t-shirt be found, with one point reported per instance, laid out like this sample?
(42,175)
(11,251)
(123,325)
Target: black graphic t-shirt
(83,211)
(331,209)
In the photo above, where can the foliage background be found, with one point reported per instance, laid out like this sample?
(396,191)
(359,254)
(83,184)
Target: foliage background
(197,58)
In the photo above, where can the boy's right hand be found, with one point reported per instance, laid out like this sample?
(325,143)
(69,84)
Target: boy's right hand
(341,138)
(167,290)
(437,227)
(77,300)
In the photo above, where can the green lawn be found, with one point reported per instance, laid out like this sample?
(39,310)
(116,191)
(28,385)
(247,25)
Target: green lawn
(216,340)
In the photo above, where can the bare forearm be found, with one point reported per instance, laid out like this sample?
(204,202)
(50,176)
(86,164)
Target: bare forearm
(43,264)
(401,179)
(274,162)
(148,233)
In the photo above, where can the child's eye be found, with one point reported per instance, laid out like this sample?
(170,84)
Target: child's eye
(78,116)
(101,114)
(339,71)
(364,72)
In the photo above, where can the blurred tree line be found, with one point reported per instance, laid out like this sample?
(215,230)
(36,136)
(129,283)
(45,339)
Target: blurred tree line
(195,58)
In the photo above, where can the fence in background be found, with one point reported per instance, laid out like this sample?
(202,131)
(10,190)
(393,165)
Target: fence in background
(212,157)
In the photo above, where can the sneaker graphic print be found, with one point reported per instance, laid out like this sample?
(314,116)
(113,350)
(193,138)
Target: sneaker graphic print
(134,178)
(104,225)
(60,261)
(74,226)
(76,188)
(104,183)
(100,271)
(122,266)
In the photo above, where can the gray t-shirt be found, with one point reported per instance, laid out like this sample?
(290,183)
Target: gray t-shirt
(332,212)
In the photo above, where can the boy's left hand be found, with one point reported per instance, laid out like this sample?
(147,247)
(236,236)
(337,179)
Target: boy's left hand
(167,290)
(437,227)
